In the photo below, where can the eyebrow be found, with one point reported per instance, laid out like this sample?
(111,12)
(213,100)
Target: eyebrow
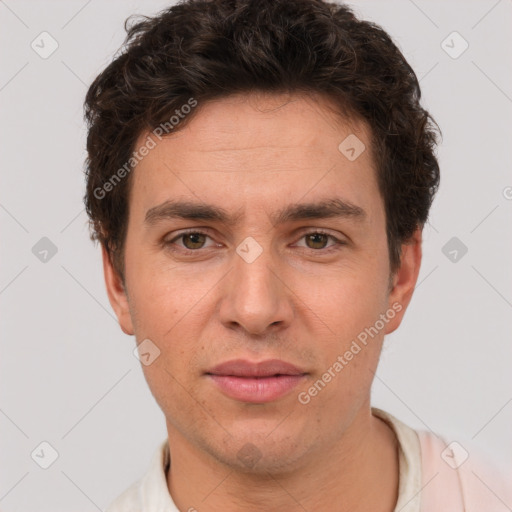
(325,209)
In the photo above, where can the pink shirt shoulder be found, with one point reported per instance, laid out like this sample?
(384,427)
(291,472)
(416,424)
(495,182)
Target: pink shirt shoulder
(455,480)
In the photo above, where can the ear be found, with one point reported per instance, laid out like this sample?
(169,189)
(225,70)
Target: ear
(117,294)
(404,280)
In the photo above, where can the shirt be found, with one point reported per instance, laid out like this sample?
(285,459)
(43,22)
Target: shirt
(433,477)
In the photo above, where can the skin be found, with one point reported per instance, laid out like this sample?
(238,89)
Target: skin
(303,301)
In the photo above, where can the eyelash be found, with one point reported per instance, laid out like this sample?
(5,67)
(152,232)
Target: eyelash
(338,243)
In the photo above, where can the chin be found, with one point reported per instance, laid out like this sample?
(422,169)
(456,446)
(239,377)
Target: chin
(261,451)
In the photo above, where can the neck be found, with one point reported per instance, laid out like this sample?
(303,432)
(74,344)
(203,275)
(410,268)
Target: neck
(358,473)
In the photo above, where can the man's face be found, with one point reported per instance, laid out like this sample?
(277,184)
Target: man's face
(257,286)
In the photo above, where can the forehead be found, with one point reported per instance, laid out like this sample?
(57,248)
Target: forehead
(277,146)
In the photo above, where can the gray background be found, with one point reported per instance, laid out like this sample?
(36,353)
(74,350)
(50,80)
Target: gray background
(67,372)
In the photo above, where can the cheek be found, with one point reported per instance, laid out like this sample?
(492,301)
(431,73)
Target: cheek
(349,354)
(349,304)
(346,301)
(162,296)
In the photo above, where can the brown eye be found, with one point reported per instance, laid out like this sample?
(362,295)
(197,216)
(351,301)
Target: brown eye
(193,240)
(187,242)
(321,242)
(317,240)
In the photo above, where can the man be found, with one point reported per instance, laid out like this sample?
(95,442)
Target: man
(259,174)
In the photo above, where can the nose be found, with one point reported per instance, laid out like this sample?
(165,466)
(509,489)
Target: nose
(256,297)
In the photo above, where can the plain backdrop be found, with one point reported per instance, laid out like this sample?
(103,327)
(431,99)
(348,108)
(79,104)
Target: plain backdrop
(68,376)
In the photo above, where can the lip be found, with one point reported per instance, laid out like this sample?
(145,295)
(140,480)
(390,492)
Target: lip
(259,382)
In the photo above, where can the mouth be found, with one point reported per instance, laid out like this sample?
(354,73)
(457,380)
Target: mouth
(261,382)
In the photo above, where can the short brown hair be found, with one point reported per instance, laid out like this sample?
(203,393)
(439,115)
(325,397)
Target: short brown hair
(209,49)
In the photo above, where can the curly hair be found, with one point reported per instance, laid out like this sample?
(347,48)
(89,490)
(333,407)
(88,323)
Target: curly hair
(201,50)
